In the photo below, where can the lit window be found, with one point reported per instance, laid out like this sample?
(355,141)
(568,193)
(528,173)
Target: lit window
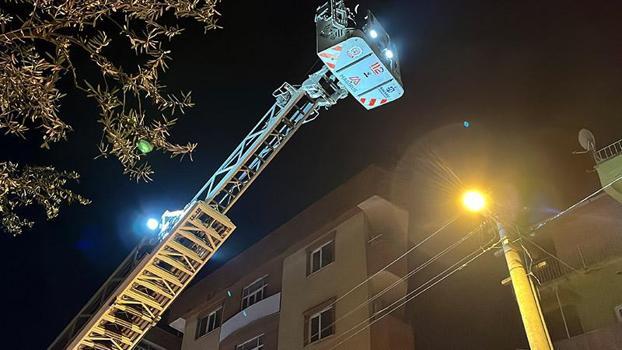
(321,324)
(254,292)
(322,256)
(209,323)
(253,344)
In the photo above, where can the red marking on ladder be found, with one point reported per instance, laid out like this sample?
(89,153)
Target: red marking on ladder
(326,55)
(383,101)
(330,65)
(363,100)
(372,102)
(337,47)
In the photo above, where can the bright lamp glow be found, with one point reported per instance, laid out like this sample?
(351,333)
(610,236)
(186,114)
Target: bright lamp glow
(388,54)
(373,34)
(473,201)
(152,224)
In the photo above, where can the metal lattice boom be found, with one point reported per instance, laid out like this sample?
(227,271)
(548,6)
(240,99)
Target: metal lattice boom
(154,274)
(156,281)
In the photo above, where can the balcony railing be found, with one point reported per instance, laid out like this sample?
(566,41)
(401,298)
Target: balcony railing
(586,256)
(602,338)
(608,152)
(263,308)
(549,269)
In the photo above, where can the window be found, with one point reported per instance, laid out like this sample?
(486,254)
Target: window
(254,292)
(320,324)
(321,256)
(253,344)
(209,323)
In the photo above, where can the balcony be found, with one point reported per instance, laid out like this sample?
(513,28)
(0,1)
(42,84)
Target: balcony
(588,256)
(608,152)
(263,308)
(609,167)
(609,338)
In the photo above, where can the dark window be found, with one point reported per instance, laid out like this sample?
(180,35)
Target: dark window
(322,256)
(254,292)
(321,324)
(253,344)
(208,323)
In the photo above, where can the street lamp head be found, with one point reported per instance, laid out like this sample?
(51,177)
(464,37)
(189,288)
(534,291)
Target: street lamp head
(474,201)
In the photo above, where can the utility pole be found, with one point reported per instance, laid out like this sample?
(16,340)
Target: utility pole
(527,300)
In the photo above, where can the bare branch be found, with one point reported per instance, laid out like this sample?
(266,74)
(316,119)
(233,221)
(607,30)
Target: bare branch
(30,72)
(26,186)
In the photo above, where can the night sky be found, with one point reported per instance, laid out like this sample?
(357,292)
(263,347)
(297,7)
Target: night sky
(527,75)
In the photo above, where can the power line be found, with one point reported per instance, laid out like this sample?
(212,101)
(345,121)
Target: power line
(572,207)
(402,279)
(397,259)
(459,265)
(549,253)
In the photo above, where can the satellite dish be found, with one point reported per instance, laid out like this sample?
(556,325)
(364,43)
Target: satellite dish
(587,140)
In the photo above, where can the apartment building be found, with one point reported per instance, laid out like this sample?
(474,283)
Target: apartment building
(293,289)
(582,301)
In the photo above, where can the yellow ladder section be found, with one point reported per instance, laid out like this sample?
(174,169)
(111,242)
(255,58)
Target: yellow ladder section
(140,300)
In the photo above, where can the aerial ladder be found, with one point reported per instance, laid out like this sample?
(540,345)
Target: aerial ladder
(357,59)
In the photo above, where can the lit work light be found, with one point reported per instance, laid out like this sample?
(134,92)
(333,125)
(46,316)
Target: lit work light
(152,224)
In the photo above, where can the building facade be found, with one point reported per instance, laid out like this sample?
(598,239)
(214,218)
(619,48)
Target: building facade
(294,288)
(581,292)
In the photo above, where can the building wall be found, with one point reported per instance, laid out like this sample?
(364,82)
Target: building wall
(269,327)
(593,294)
(209,341)
(590,240)
(353,214)
(301,292)
(232,306)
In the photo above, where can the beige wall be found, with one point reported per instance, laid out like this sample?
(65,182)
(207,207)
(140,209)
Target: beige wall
(209,341)
(301,292)
(268,326)
(231,306)
(595,294)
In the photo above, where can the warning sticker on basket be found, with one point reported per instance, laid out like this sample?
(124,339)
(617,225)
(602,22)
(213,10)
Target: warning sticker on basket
(364,75)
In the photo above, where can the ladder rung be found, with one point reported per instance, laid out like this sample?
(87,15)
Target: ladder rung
(132,311)
(154,287)
(207,230)
(196,240)
(92,344)
(175,263)
(116,336)
(184,250)
(143,298)
(123,323)
(165,275)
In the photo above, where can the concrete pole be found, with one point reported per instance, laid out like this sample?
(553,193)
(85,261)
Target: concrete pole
(528,302)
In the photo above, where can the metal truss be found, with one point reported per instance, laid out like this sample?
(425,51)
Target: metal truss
(133,299)
(141,299)
(292,108)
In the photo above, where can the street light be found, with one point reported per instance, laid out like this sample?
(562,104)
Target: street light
(474,201)
(527,300)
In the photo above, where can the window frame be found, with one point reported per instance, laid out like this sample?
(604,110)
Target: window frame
(261,290)
(316,248)
(309,324)
(207,318)
(261,346)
